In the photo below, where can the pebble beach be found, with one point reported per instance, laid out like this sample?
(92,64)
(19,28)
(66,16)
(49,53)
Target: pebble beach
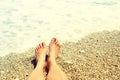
(94,57)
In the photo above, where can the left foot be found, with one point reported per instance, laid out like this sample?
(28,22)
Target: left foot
(40,53)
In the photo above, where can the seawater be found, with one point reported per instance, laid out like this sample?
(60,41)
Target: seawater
(25,23)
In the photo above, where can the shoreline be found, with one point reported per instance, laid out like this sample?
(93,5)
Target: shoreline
(47,41)
(95,56)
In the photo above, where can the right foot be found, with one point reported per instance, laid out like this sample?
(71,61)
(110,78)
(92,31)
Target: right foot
(54,48)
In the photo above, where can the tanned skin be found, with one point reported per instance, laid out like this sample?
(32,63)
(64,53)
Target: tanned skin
(54,72)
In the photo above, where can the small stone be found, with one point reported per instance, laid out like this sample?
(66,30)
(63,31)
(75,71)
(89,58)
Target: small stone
(7,71)
(82,51)
(68,61)
(116,65)
(96,56)
(16,79)
(27,74)
(106,41)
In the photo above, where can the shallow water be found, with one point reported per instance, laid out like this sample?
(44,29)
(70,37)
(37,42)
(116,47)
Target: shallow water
(25,23)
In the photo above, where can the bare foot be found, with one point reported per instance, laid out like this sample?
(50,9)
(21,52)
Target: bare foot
(54,48)
(40,53)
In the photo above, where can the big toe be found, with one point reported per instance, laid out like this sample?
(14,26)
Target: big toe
(54,40)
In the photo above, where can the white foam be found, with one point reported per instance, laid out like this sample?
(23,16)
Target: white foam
(25,23)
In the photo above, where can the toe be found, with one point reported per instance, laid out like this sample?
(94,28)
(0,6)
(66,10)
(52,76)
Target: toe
(43,44)
(40,45)
(53,40)
(36,49)
(56,42)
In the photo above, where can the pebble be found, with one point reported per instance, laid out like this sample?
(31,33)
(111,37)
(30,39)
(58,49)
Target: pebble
(68,61)
(82,51)
(16,79)
(27,74)
(7,71)
(106,41)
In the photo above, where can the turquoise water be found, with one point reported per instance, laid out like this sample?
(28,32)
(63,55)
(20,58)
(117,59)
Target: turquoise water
(25,23)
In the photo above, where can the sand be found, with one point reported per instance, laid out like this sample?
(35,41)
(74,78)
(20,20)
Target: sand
(94,57)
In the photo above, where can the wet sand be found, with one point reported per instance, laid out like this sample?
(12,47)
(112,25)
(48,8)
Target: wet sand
(94,57)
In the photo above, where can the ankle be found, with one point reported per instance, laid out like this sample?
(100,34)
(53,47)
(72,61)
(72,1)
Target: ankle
(51,60)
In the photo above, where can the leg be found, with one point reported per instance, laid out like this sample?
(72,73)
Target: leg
(55,73)
(38,73)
